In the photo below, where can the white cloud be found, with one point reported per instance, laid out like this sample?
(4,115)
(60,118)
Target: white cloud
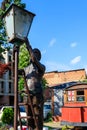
(54,66)
(52,42)
(43,52)
(74,44)
(75,60)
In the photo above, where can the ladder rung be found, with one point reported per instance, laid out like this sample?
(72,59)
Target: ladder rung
(23,103)
(26,92)
(27,117)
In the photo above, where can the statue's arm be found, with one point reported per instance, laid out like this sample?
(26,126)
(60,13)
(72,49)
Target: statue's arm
(33,57)
(29,48)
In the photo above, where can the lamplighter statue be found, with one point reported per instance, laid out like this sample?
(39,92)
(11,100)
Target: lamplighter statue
(33,74)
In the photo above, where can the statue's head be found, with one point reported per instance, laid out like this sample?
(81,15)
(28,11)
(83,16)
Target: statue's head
(37,53)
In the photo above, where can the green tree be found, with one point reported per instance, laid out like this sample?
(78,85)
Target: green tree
(23,57)
(84,81)
(8,116)
(23,62)
(44,83)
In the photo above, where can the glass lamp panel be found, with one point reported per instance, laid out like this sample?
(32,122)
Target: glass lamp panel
(9,25)
(23,20)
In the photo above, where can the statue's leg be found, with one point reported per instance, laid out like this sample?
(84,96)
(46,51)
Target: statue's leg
(38,109)
(31,122)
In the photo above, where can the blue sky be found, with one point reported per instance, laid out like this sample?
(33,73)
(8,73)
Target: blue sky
(59,30)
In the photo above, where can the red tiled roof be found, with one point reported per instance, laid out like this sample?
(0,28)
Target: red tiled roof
(56,77)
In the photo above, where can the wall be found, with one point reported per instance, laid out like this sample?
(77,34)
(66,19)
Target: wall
(74,114)
(56,77)
(6,82)
(58,101)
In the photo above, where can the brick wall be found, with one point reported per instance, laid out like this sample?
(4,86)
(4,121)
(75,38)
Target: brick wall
(56,77)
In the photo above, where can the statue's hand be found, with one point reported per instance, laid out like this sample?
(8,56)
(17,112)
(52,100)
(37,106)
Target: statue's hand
(26,41)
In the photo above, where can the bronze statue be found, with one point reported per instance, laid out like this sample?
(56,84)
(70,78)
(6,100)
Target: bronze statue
(33,74)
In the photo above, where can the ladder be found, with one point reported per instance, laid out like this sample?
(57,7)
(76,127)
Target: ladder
(28,105)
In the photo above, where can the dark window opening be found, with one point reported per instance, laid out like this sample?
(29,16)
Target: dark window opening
(9,87)
(80,96)
(80,92)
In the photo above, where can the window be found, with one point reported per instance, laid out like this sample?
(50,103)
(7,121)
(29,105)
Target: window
(80,96)
(2,87)
(10,76)
(9,58)
(9,87)
(71,96)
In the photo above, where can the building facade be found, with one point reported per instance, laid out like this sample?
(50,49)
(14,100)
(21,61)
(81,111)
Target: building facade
(57,82)
(6,83)
(74,111)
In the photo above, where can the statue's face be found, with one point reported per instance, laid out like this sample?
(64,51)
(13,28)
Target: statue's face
(37,53)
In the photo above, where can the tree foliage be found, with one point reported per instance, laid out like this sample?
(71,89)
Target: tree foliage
(84,81)
(23,57)
(8,116)
(23,62)
(44,83)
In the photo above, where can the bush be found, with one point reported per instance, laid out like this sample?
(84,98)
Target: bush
(49,117)
(8,116)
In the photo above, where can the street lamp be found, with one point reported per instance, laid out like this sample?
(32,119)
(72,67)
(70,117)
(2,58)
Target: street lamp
(17,23)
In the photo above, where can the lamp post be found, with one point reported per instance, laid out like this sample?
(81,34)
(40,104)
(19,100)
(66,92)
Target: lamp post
(17,23)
